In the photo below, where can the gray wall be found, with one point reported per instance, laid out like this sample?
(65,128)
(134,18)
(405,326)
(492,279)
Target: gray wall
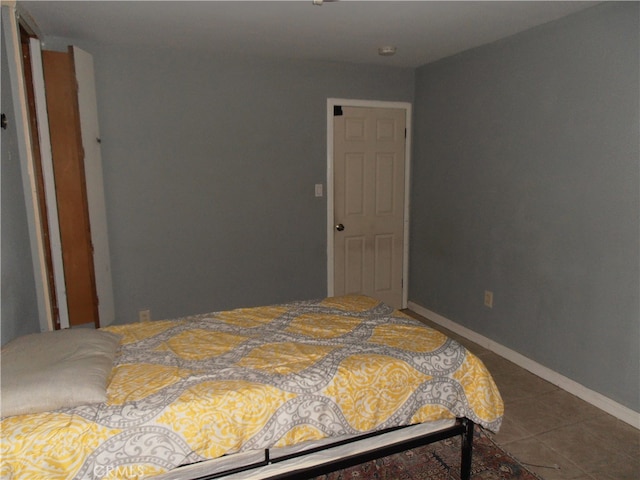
(19,311)
(210,166)
(526,183)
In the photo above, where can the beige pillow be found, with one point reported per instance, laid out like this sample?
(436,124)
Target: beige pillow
(64,368)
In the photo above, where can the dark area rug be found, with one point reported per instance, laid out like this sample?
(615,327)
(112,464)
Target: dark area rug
(440,461)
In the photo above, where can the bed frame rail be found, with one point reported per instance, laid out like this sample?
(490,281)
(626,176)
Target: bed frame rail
(463,427)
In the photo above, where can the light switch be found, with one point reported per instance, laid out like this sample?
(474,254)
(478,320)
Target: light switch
(318,189)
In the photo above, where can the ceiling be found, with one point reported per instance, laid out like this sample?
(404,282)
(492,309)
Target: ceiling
(344,31)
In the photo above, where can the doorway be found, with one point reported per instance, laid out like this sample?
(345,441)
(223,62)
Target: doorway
(368,173)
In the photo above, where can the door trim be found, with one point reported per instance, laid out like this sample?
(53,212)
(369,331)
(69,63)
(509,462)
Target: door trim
(331,103)
(14,57)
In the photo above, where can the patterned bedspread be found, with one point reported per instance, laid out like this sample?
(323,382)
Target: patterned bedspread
(199,387)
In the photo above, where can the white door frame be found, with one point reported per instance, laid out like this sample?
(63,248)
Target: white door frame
(21,117)
(331,103)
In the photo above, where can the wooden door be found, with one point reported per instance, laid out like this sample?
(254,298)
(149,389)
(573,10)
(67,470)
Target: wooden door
(369,192)
(90,132)
(71,195)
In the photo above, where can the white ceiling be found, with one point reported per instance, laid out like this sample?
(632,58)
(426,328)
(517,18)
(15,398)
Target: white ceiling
(345,31)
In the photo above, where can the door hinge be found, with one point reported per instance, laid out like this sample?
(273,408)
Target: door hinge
(337,111)
(405,133)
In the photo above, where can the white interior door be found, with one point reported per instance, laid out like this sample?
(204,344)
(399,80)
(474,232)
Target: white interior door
(369,202)
(49,180)
(88,109)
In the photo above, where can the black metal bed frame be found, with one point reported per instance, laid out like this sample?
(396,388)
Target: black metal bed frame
(463,427)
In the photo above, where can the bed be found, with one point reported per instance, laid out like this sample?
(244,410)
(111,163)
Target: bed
(259,393)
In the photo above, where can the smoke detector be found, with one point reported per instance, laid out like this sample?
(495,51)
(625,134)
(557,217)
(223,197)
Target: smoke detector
(387,51)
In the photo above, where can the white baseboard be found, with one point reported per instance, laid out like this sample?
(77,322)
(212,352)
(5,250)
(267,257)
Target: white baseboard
(594,398)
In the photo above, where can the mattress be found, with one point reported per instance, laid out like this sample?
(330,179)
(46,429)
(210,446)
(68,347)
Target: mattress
(196,388)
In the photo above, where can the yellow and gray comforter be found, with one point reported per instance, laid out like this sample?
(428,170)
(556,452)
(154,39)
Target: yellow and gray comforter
(199,387)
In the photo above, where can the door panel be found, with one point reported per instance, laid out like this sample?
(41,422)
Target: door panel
(56,268)
(354,184)
(369,163)
(385,183)
(68,168)
(90,134)
(383,263)
(354,261)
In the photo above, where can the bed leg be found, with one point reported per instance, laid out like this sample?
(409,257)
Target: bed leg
(467,449)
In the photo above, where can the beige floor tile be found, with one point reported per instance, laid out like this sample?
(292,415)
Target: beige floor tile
(521,384)
(586,447)
(606,476)
(569,407)
(510,432)
(618,467)
(623,437)
(533,416)
(544,461)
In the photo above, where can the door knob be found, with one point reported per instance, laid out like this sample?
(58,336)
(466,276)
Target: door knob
(339,227)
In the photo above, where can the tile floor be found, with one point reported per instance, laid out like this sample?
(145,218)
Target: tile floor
(557,435)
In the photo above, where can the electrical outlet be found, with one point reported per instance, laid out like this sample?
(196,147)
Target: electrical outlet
(144,315)
(488,299)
